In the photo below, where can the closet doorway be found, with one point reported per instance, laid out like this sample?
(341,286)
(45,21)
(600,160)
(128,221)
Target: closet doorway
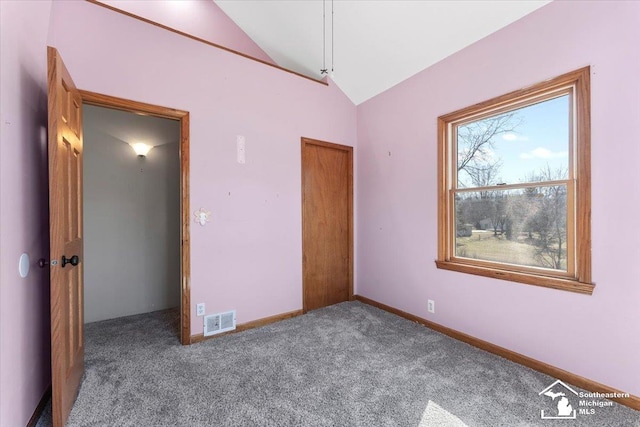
(327,223)
(136,213)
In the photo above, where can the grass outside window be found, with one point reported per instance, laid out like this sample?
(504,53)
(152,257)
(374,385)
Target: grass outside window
(514,186)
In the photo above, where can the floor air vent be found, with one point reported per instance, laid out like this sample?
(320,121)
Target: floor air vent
(220,322)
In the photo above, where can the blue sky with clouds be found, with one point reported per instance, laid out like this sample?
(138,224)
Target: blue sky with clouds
(541,139)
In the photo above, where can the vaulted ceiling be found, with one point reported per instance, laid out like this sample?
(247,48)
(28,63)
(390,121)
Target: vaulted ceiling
(376,43)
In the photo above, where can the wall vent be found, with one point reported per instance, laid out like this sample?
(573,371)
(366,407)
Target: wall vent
(220,322)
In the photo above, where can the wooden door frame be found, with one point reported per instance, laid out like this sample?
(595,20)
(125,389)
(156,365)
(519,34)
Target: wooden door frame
(107,101)
(349,150)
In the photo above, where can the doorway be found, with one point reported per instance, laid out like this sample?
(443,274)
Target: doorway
(182,118)
(327,223)
(131,214)
(66,257)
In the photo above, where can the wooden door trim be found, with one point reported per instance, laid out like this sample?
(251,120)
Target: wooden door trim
(136,107)
(349,150)
(207,42)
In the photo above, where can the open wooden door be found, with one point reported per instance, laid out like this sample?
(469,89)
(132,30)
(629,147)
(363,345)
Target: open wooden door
(65,224)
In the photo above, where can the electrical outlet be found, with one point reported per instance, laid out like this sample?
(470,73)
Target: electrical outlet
(200,309)
(431,306)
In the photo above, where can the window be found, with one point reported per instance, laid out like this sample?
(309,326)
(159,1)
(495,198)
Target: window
(514,186)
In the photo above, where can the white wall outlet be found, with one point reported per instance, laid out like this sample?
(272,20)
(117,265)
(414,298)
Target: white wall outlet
(200,309)
(431,306)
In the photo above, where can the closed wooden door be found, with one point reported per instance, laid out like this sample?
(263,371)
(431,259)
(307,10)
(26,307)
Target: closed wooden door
(65,222)
(327,223)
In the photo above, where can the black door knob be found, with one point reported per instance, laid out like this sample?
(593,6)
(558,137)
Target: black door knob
(74,260)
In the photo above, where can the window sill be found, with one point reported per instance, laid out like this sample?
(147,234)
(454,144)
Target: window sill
(563,284)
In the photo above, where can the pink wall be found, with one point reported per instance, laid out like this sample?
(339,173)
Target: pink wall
(248,257)
(595,336)
(200,18)
(24,303)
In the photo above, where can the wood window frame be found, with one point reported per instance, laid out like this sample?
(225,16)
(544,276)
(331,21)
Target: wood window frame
(578,277)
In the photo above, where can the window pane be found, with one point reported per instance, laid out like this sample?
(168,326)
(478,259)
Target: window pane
(530,144)
(525,226)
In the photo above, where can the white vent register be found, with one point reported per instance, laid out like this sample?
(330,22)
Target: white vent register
(220,322)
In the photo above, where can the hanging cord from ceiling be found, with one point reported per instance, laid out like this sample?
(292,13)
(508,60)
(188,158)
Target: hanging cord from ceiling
(324,70)
(331,38)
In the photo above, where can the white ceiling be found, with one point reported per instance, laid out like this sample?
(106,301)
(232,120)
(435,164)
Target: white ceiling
(131,128)
(378,43)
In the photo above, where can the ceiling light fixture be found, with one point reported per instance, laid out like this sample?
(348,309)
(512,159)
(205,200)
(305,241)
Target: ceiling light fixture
(141,148)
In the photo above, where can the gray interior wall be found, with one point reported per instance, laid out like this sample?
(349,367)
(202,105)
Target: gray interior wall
(131,227)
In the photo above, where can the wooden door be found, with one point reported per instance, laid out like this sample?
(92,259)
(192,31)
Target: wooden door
(327,223)
(65,222)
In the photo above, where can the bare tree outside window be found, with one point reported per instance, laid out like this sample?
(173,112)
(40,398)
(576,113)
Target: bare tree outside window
(509,197)
(528,224)
(477,164)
